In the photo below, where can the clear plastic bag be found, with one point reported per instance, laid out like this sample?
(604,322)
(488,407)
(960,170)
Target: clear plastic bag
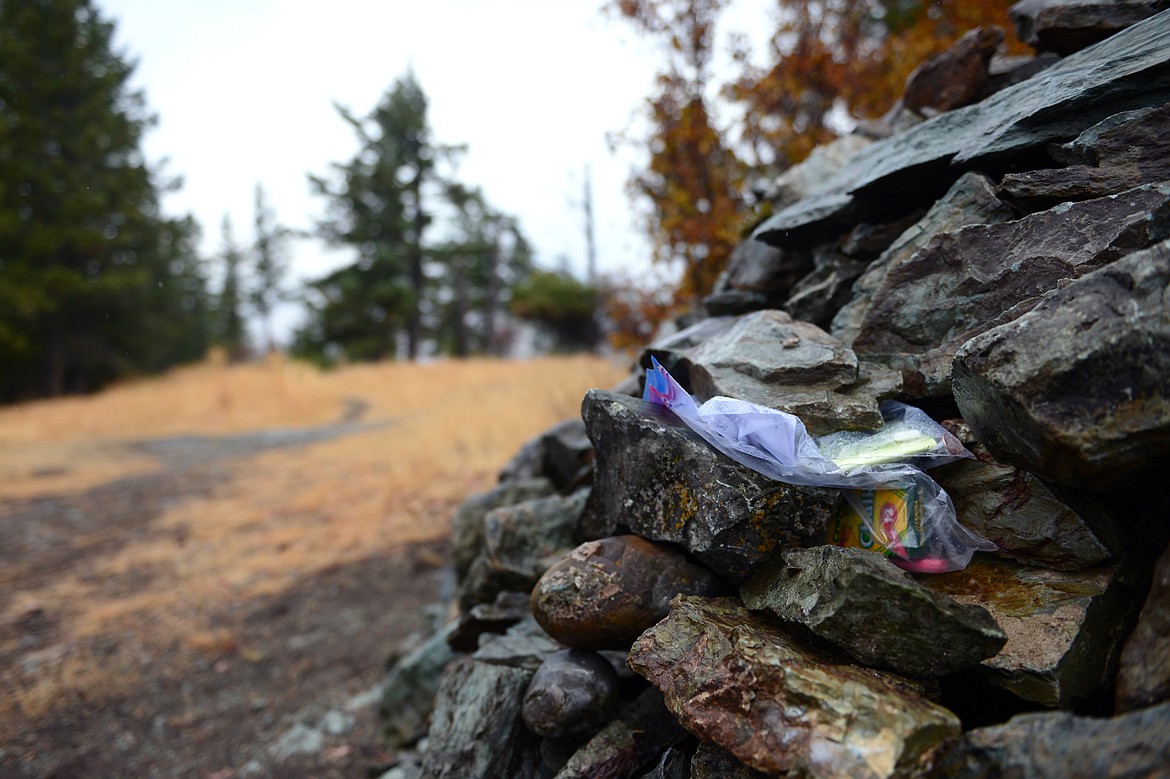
(924,536)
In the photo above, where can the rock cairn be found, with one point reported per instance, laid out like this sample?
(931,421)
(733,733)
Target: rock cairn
(995,251)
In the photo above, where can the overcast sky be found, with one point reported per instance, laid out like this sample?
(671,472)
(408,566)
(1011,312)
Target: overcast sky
(243,90)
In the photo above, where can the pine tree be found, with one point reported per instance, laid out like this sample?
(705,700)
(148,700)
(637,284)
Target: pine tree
(378,205)
(94,282)
(229,330)
(270,264)
(486,255)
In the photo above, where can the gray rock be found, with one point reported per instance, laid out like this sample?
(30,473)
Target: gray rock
(1064,629)
(1004,71)
(467,524)
(814,171)
(1065,26)
(509,608)
(863,604)
(771,359)
(673,765)
(1062,745)
(604,593)
(1086,148)
(520,543)
(971,200)
(965,283)
(629,744)
(757,276)
(867,240)
(1131,68)
(1124,151)
(1078,390)
(1019,514)
(405,769)
(818,297)
(673,351)
(568,455)
(525,645)
(476,729)
(739,682)
(661,481)
(560,454)
(300,739)
(711,762)
(1144,676)
(953,78)
(573,691)
(409,688)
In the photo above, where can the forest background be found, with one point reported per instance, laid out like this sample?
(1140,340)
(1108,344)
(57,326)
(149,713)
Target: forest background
(97,283)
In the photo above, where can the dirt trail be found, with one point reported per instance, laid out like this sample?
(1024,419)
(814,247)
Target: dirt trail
(284,685)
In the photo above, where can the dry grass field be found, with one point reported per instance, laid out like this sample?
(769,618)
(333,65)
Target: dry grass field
(154,539)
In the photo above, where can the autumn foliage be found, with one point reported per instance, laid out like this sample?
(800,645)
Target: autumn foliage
(844,56)
(829,64)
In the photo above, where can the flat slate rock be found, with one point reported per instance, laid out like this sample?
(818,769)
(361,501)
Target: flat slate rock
(863,604)
(739,682)
(1017,512)
(1064,629)
(1062,745)
(1144,676)
(1129,69)
(657,479)
(476,728)
(520,542)
(773,360)
(1122,152)
(1065,26)
(1078,390)
(970,200)
(965,283)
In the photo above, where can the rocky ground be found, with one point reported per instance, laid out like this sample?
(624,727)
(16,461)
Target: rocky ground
(284,685)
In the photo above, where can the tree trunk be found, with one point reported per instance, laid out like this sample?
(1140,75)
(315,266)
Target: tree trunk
(493,301)
(461,307)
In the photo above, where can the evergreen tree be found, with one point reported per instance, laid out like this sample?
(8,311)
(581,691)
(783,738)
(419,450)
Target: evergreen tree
(94,282)
(378,205)
(229,324)
(563,307)
(486,255)
(270,264)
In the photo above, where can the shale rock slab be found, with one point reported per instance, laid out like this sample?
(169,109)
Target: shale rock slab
(476,728)
(1064,629)
(1078,390)
(1020,514)
(738,681)
(771,359)
(1047,745)
(520,542)
(467,524)
(1129,69)
(1144,676)
(970,200)
(877,613)
(659,480)
(965,283)
(1066,26)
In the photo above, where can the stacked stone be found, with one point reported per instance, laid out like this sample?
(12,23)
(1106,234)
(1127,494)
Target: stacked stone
(635,604)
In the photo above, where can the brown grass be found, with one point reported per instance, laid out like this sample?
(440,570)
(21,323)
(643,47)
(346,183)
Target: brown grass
(283,514)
